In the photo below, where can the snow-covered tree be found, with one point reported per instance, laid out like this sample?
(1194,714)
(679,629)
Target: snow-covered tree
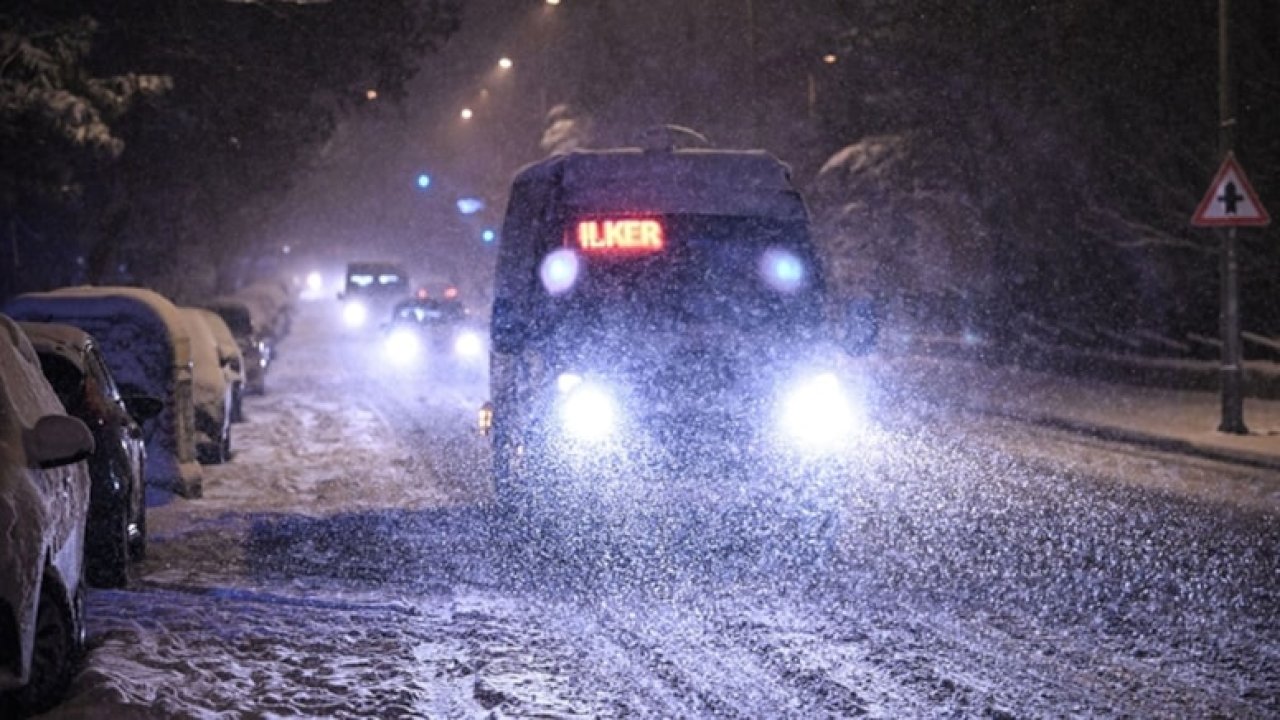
(1061,149)
(256,91)
(57,129)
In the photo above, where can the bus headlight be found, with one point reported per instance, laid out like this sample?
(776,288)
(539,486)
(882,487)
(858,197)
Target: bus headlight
(355,314)
(588,411)
(817,413)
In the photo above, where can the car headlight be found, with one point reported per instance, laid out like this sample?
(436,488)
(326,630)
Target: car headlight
(588,410)
(403,346)
(468,345)
(355,314)
(818,413)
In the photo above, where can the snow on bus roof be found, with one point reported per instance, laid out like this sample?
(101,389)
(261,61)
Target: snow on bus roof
(105,301)
(701,181)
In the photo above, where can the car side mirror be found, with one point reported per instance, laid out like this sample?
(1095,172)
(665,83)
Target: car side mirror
(860,326)
(58,440)
(142,407)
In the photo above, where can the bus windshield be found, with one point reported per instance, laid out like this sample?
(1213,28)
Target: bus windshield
(673,272)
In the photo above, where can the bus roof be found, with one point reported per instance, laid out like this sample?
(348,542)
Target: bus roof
(682,181)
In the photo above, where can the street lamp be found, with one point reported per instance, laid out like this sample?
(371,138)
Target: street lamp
(466,114)
(505,63)
(553,2)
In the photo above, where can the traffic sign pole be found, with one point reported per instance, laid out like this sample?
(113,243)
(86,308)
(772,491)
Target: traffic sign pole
(1232,354)
(1232,360)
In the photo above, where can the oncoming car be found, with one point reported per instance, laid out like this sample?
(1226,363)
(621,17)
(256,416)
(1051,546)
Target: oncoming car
(371,289)
(436,333)
(660,308)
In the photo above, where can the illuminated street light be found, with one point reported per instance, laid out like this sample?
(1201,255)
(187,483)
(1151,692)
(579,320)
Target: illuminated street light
(370,94)
(553,2)
(488,236)
(466,113)
(470,205)
(424,181)
(830,58)
(505,63)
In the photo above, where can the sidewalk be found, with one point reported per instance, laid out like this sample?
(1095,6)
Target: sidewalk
(1171,420)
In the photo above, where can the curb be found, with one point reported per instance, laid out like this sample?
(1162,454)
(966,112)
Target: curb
(1135,437)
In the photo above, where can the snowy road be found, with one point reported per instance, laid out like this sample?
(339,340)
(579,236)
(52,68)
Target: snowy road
(343,566)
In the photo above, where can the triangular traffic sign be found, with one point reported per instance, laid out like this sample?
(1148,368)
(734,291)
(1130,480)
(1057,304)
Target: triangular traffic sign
(1231,200)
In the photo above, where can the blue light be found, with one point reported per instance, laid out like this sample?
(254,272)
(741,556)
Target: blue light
(488,236)
(424,181)
(782,270)
(470,205)
(559,271)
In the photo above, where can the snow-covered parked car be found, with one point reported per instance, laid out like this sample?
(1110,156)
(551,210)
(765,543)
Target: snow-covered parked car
(212,390)
(231,358)
(273,304)
(146,343)
(247,327)
(75,368)
(44,502)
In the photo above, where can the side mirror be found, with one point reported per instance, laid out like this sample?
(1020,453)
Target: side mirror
(58,440)
(860,326)
(143,407)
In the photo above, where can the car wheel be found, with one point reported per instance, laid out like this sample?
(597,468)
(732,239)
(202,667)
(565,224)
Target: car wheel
(58,630)
(209,453)
(108,561)
(237,406)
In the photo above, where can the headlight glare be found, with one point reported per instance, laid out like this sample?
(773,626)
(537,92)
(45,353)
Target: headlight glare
(588,412)
(468,345)
(355,314)
(818,413)
(559,271)
(403,346)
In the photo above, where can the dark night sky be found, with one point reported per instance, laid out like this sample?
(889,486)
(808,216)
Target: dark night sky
(634,64)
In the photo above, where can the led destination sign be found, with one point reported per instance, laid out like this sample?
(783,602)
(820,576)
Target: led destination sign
(631,235)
